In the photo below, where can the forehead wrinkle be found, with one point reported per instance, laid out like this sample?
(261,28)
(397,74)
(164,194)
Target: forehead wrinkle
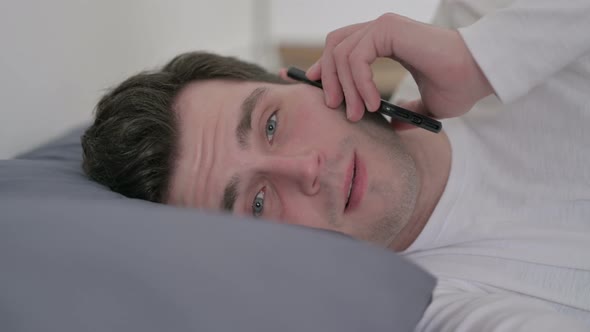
(247,108)
(196,142)
(208,148)
(193,154)
(186,152)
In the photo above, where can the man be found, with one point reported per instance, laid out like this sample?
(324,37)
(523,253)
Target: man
(242,142)
(496,206)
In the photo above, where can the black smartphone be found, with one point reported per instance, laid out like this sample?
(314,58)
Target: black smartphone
(386,108)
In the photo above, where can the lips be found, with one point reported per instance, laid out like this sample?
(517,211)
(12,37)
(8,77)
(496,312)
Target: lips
(354,185)
(350,186)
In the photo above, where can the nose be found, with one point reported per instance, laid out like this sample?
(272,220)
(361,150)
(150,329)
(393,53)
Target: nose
(301,169)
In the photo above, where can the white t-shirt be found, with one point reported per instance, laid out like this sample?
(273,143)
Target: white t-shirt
(509,240)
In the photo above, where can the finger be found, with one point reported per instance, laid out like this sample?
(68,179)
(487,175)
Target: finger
(330,81)
(360,60)
(355,107)
(376,42)
(327,66)
(333,39)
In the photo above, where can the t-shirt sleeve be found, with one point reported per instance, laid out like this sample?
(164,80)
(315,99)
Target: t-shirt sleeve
(455,310)
(521,46)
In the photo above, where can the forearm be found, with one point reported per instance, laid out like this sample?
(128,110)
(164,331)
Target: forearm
(521,46)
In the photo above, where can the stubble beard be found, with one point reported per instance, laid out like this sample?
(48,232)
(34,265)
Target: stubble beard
(384,229)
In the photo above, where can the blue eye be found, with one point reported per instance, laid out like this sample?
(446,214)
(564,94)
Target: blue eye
(258,204)
(271,126)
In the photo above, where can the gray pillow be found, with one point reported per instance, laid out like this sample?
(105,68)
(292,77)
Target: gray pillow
(77,257)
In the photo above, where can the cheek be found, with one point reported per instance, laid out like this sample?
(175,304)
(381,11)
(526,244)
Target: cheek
(303,211)
(393,180)
(317,125)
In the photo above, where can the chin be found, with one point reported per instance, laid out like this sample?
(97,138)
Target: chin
(394,179)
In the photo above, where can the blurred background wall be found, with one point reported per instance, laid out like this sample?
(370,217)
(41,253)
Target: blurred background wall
(58,57)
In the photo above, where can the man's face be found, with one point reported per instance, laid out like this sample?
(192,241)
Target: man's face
(277,152)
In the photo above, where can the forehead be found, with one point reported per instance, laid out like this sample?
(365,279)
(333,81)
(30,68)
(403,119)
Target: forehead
(205,98)
(207,113)
(201,105)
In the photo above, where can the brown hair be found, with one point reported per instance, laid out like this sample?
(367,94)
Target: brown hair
(131,146)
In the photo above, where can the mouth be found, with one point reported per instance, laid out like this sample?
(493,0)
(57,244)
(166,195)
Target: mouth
(351,183)
(353,188)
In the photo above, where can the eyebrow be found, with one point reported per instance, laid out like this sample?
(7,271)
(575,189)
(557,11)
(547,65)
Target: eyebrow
(243,130)
(230,194)
(244,126)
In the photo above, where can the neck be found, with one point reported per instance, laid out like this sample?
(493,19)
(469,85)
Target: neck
(432,156)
